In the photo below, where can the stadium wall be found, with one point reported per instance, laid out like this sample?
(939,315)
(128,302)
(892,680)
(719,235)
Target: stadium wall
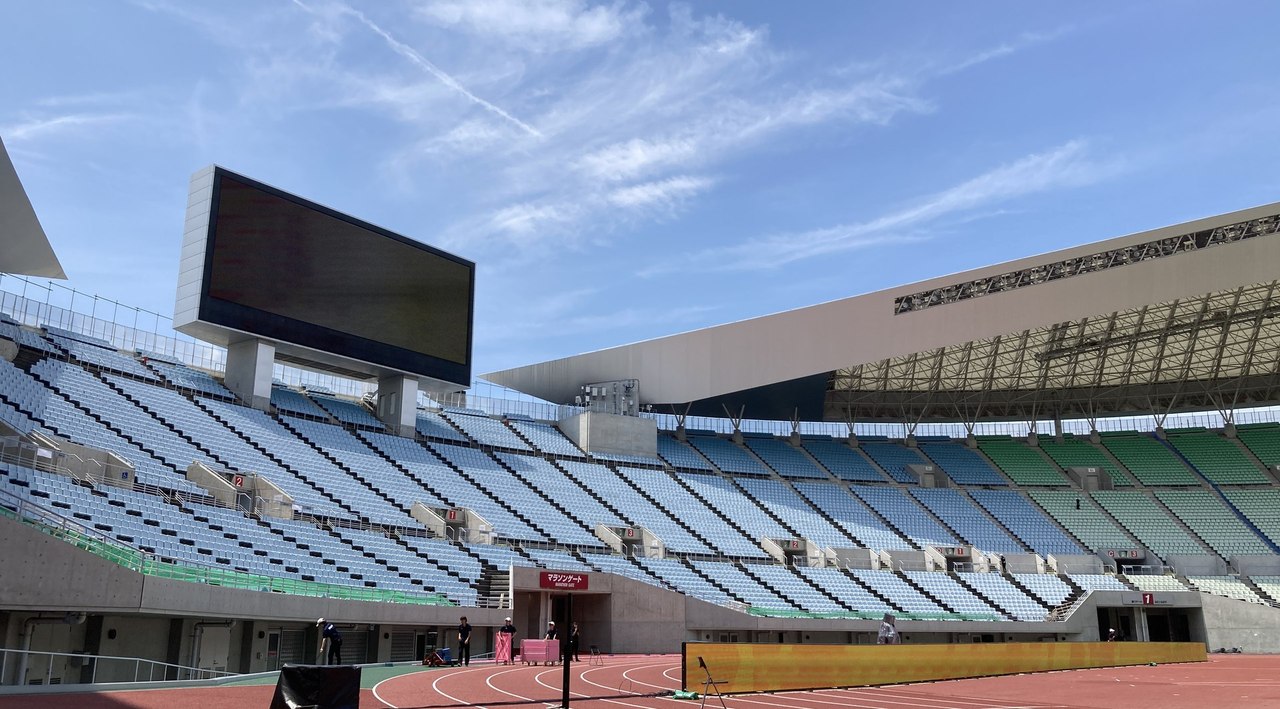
(1230,623)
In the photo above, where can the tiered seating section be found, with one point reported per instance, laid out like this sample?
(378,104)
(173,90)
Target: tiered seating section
(710,500)
(1150,461)
(1073,452)
(1024,465)
(1220,460)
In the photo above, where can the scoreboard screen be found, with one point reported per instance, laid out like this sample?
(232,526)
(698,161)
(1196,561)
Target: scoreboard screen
(287,269)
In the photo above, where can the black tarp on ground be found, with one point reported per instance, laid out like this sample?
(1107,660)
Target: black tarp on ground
(323,687)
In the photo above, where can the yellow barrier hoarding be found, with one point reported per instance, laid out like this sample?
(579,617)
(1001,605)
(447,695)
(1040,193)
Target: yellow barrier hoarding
(766,668)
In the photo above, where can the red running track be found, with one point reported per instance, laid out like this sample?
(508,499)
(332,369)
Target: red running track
(1224,682)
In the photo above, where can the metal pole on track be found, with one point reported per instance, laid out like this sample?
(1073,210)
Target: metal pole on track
(565,649)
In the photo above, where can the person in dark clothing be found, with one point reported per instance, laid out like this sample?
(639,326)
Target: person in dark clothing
(551,631)
(575,642)
(330,636)
(464,641)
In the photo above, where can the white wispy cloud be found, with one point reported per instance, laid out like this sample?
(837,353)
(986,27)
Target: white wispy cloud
(92,98)
(1066,166)
(526,221)
(32,128)
(635,157)
(1024,41)
(537,25)
(663,193)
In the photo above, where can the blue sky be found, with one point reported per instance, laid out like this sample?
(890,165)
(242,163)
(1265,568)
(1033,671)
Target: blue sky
(628,170)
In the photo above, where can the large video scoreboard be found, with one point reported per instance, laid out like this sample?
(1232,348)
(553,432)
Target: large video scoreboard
(260,262)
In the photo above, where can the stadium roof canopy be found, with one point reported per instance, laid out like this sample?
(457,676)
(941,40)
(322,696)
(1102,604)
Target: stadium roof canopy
(24,248)
(1174,319)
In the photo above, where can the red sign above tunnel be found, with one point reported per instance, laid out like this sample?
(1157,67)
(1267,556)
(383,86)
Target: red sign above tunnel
(562,581)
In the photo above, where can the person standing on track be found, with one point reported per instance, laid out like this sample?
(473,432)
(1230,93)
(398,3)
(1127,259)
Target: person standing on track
(575,641)
(330,636)
(506,639)
(552,634)
(464,642)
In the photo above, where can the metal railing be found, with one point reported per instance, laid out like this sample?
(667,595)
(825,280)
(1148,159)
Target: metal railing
(116,669)
(1145,570)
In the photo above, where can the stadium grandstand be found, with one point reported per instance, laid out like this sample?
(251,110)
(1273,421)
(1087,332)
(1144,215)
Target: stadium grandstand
(1034,451)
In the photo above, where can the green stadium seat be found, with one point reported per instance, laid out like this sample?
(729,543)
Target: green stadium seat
(1148,522)
(1075,452)
(1217,525)
(1263,439)
(1150,461)
(1218,458)
(1084,520)
(1023,464)
(1261,506)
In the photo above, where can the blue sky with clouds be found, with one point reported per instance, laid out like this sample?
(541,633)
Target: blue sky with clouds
(627,170)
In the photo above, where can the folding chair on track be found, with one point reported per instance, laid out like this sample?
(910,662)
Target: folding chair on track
(710,685)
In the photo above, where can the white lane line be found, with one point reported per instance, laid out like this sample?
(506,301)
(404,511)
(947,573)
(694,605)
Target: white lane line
(375,690)
(626,676)
(650,664)
(772,701)
(888,699)
(434,685)
(915,700)
(489,681)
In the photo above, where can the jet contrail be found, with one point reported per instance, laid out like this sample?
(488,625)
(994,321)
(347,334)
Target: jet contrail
(413,56)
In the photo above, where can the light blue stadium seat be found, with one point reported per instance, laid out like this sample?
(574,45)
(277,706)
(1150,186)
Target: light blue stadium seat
(953,508)
(795,511)
(747,589)
(956,597)
(852,516)
(730,501)
(546,438)
(899,592)
(566,495)
(1026,521)
(681,455)
(844,462)
(500,484)
(851,594)
(727,456)
(487,431)
(639,509)
(794,588)
(902,512)
(1011,600)
(963,465)
(294,402)
(679,504)
(1051,590)
(787,460)
(348,412)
